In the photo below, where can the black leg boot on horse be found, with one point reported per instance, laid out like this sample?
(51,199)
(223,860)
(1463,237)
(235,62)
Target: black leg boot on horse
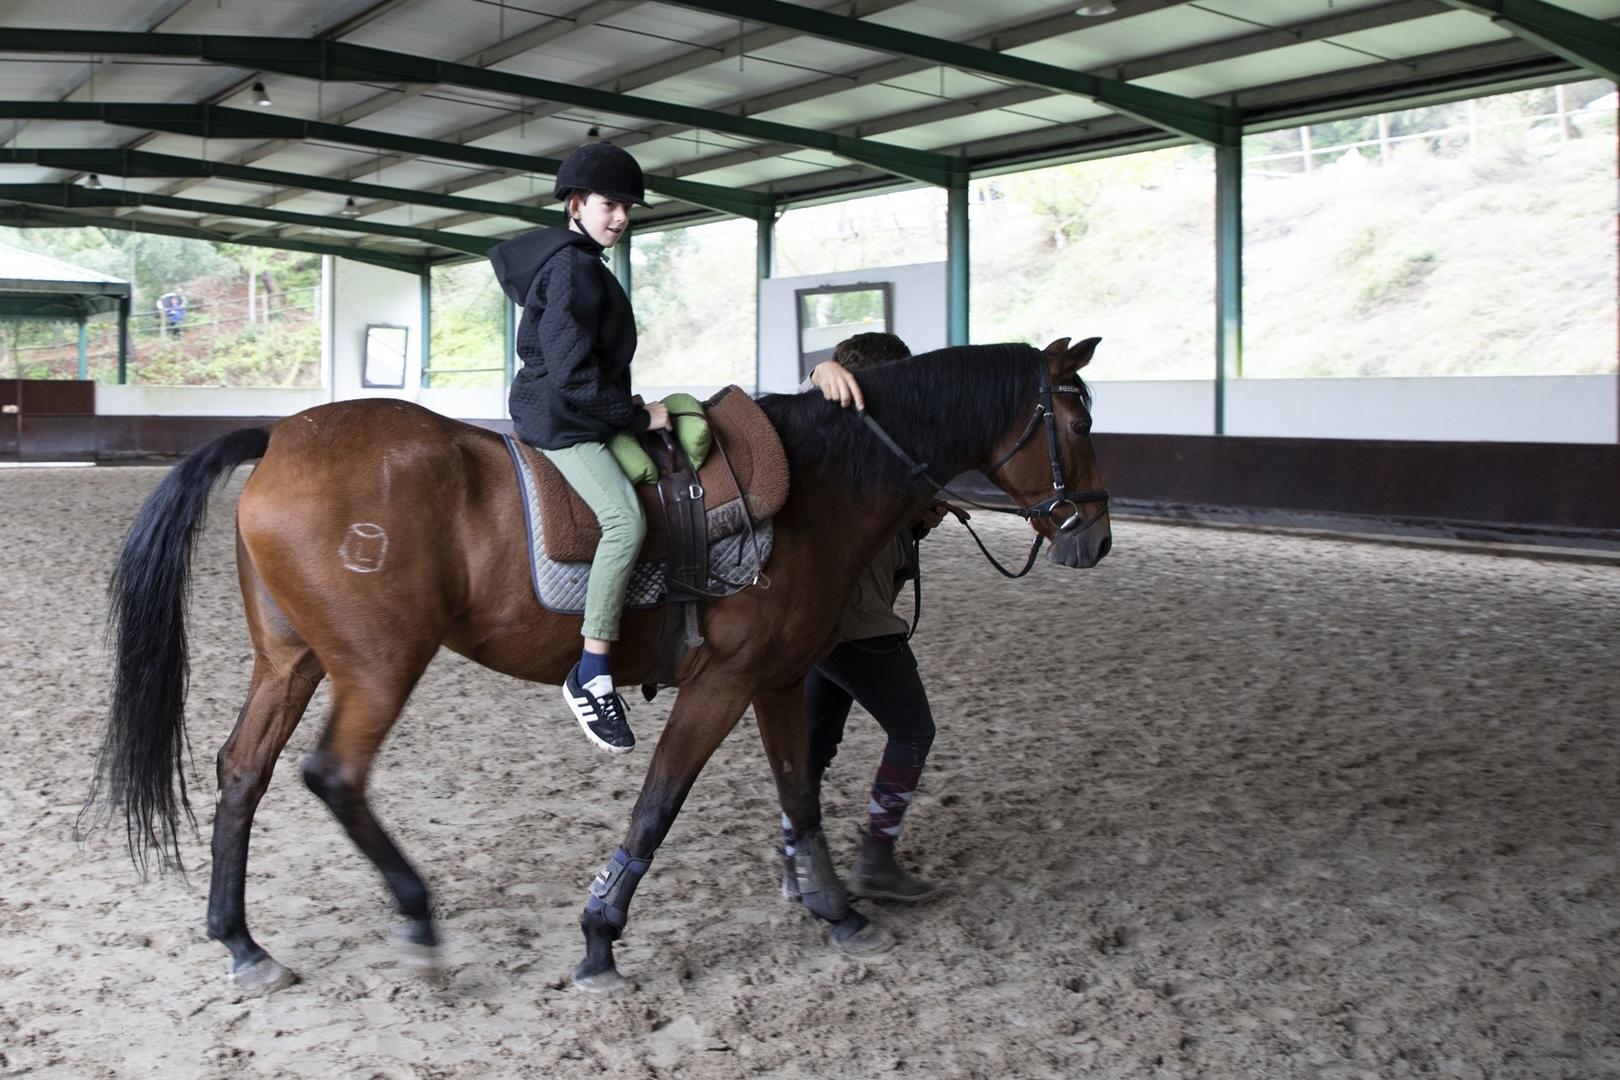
(808,871)
(706,710)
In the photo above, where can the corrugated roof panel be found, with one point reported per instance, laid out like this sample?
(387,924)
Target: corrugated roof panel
(292,18)
(956,20)
(17,265)
(653,33)
(314,159)
(766,169)
(77,14)
(32,174)
(595,53)
(1094,48)
(941,84)
(814,56)
(443,34)
(1254,14)
(988,124)
(289,95)
(443,113)
(551,137)
(573,59)
(36,78)
(139,79)
(1437,33)
(725,81)
(676,151)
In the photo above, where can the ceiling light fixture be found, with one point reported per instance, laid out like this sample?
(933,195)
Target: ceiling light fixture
(1095,9)
(92,182)
(261,96)
(350,208)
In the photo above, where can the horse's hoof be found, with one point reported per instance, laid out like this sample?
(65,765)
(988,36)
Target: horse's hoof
(421,960)
(601,983)
(263,976)
(869,939)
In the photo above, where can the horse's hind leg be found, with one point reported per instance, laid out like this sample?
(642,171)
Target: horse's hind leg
(283,682)
(364,708)
(780,714)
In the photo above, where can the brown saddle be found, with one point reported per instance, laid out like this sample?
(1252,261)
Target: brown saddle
(756,456)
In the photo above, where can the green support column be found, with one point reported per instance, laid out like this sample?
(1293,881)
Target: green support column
(621,264)
(764,266)
(511,339)
(425,349)
(123,340)
(956,261)
(84,349)
(1228,274)
(765,244)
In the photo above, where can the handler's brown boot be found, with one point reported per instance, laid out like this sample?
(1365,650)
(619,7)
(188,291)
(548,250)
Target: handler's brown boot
(876,874)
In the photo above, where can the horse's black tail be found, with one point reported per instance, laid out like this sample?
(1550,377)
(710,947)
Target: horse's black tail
(145,744)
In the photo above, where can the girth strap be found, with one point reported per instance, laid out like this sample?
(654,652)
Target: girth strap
(685,520)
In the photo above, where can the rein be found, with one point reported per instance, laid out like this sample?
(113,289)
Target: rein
(1063,495)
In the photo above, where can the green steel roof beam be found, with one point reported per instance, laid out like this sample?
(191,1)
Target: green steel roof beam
(144,163)
(71,196)
(343,62)
(1201,120)
(218,122)
(28,217)
(1580,39)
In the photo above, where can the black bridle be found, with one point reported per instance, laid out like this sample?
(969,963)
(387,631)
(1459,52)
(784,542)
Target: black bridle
(1062,494)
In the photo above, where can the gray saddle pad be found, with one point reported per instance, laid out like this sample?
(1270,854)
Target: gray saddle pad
(560,586)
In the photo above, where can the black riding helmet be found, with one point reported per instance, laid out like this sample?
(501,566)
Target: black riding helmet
(605,169)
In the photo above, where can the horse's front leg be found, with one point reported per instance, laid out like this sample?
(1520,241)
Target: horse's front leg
(704,714)
(780,713)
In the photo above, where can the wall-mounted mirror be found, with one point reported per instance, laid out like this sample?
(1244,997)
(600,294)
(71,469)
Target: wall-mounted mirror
(385,356)
(830,313)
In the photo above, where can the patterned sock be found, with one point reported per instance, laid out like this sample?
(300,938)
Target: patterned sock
(891,795)
(592,664)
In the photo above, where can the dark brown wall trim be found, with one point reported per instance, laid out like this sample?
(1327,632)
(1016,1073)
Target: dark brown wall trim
(1558,485)
(1560,489)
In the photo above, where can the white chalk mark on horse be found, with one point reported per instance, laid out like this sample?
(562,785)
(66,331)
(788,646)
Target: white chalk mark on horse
(364,548)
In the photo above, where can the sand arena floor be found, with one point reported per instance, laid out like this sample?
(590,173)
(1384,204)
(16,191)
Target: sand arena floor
(1230,805)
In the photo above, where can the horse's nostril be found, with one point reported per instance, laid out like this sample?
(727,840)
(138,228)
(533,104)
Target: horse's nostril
(1102,548)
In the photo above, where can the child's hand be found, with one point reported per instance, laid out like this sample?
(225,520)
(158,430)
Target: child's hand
(837,384)
(658,416)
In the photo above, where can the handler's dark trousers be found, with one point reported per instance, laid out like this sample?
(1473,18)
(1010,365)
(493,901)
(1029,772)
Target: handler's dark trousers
(881,674)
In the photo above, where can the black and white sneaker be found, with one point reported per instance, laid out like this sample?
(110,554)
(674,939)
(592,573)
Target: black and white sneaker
(600,712)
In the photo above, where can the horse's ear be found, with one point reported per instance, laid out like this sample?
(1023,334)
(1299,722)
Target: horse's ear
(1057,348)
(1079,355)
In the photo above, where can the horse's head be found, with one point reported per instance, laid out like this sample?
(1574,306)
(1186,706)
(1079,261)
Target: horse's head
(1048,465)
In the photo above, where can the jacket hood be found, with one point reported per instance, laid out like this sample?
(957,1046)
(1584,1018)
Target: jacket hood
(517,261)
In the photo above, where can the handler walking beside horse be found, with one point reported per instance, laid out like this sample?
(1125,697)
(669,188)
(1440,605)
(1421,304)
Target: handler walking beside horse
(872,664)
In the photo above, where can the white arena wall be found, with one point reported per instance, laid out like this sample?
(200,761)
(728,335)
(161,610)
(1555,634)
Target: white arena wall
(1546,408)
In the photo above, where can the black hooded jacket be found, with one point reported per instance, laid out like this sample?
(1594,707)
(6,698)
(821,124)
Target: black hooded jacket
(576,340)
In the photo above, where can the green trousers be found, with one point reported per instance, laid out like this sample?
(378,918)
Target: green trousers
(594,473)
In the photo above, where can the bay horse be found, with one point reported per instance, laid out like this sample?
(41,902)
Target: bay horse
(372,532)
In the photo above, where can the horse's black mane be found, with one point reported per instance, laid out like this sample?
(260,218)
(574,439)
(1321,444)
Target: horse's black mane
(944,407)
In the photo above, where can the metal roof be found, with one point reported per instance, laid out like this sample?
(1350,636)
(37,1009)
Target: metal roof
(34,286)
(442,119)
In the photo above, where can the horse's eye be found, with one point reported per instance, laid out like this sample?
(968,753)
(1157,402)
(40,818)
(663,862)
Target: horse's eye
(1080,427)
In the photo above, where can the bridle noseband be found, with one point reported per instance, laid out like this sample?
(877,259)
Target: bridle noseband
(1062,494)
